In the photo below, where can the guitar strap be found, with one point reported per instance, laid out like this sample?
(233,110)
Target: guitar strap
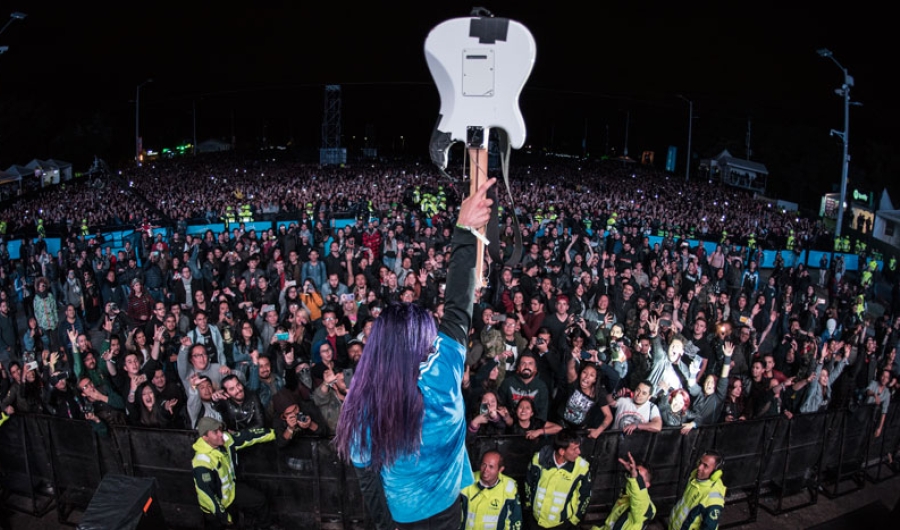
(493,228)
(440,142)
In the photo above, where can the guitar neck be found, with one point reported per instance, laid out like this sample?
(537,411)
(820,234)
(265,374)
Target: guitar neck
(478,171)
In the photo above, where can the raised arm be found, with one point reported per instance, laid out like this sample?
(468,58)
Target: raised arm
(474,213)
(773,316)
(350,276)
(567,254)
(728,350)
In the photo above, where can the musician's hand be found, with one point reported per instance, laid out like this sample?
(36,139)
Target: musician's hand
(476,209)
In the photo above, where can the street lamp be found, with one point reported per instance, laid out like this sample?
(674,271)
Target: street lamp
(137,122)
(844,91)
(687,169)
(16,15)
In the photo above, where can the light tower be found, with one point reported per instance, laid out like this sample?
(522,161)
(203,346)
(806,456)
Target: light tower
(331,152)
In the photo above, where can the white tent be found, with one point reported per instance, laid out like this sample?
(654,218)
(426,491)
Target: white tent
(46,171)
(65,168)
(10,185)
(19,171)
(887,221)
(738,172)
(213,146)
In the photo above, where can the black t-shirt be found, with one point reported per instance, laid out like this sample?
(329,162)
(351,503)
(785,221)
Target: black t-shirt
(535,424)
(557,330)
(578,410)
(212,352)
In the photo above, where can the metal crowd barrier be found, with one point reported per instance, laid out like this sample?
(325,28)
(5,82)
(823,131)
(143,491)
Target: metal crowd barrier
(777,464)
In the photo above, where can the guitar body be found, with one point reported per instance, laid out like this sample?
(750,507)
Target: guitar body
(480,65)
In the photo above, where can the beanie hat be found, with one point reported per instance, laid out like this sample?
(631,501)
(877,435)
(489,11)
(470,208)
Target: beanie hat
(282,401)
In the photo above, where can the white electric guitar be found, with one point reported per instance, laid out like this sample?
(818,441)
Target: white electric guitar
(480,65)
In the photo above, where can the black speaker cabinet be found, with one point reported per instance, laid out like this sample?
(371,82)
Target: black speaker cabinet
(123,503)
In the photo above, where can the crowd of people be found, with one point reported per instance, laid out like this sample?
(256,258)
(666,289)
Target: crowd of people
(594,330)
(589,191)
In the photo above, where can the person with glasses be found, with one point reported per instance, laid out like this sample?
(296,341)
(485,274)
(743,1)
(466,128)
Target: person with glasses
(157,319)
(194,359)
(208,336)
(101,406)
(246,341)
(334,332)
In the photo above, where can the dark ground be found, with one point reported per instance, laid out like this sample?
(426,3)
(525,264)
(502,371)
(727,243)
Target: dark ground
(869,506)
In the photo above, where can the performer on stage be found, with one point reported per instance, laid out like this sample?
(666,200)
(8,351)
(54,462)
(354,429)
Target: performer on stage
(404,417)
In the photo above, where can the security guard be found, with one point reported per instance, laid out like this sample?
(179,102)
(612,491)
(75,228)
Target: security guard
(246,213)
(703,500)
(859,308)
(866,278)
(229,217)
(634,509)
(492,502)
(558,485)
(214,478)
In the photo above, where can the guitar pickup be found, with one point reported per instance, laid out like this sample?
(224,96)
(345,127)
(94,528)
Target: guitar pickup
(478,73)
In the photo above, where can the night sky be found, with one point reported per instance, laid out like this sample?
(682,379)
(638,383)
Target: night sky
(67,83)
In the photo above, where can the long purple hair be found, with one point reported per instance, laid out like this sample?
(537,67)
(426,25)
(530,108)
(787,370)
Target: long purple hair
(382,414)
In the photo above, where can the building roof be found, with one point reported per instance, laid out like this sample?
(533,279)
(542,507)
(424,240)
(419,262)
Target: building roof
(725,159)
